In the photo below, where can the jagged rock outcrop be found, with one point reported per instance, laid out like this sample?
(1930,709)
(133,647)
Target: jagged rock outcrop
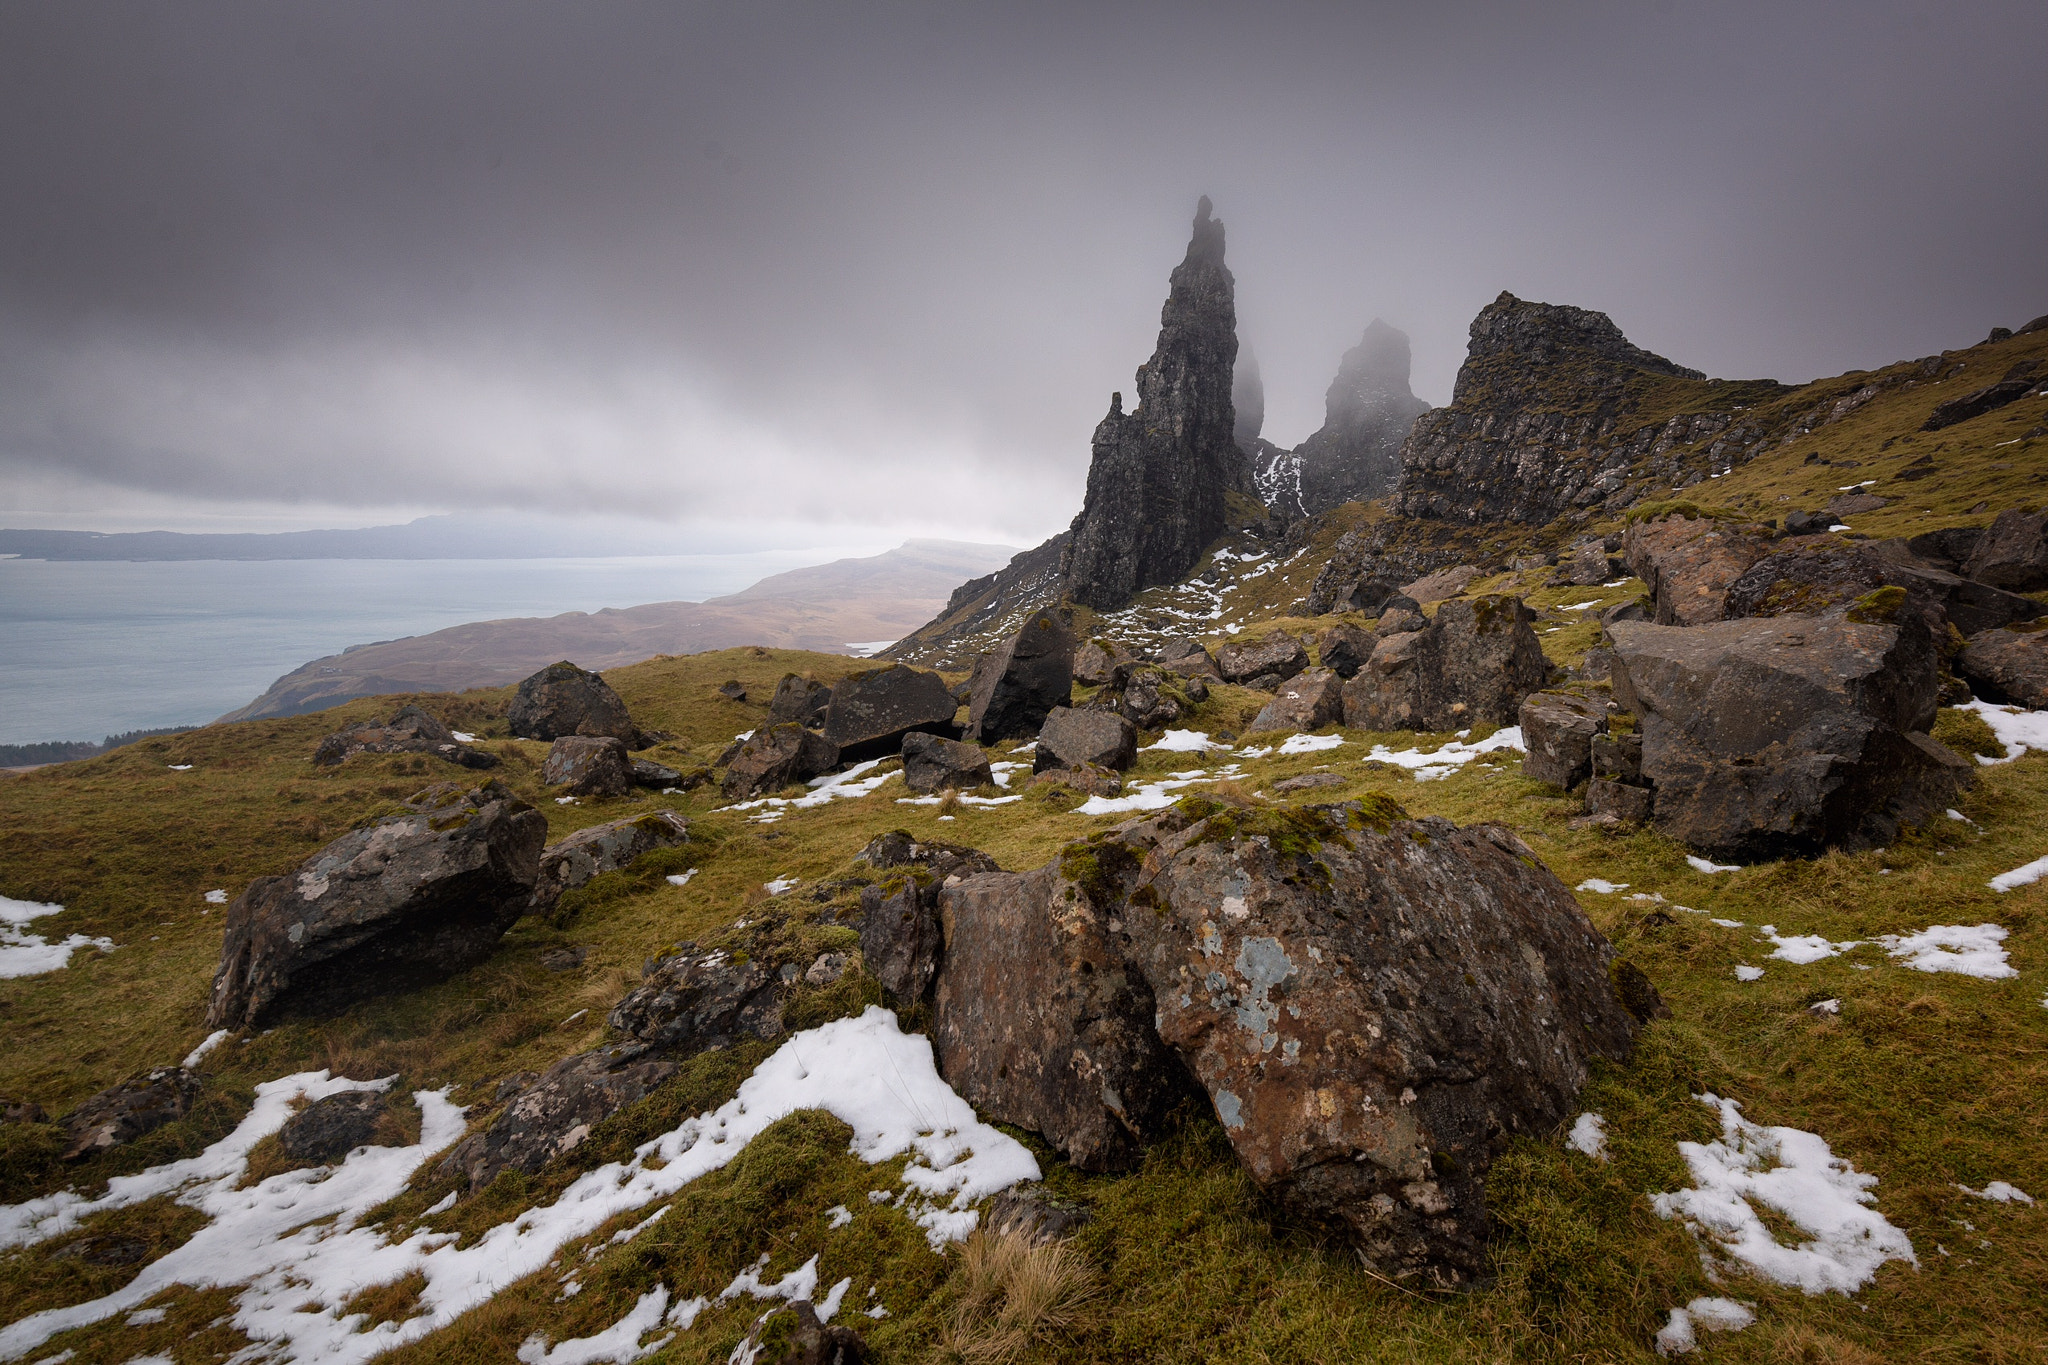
(405,901)
(1474,661)
(1016,685)
(1369,565)
(411,731)
(1159,474)
(1367,414)
(1277,656)
(1085,737)
(1540,421)
(1791,734)
(1810,574)
(799,700)
(982,609)
(555,1113)
(2012,552)
(1689,563)
(899,914)
(1310,700)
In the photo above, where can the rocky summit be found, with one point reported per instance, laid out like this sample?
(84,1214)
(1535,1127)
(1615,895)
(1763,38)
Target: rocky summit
(1159,474)
(1356,453)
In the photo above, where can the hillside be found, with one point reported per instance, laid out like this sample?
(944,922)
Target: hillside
(829,607)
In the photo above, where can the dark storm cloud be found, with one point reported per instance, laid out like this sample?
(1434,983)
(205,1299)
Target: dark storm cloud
(885,263)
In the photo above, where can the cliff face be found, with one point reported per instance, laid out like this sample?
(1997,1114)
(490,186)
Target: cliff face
(1367,414)
(1540,420)
(1160,473)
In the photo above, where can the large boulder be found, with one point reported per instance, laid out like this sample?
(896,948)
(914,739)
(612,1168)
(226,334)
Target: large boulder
(1039,1019)
(2008,666)
(799,700)
(1474,661)
(1435,587)
(2012,552)
(411,731)
(775,756)
(899,926)
(1344,649)
(588,765)
(1189,659)
(1153,696)
(563,699)
(1690,562)
(1558,730)
(555,1113)
(603,848)
(1589,565)
(1101,662)
(1017,684)
(121,1113)
(871,711)
(1071,738)
(1278,654)
(690,1002)
(1813,574)
(1789,734)
(410,899)
(931,762)
(1307,701)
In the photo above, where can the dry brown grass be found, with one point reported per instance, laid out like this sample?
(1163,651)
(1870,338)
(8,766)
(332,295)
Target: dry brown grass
(393,1302)
(1014,1293)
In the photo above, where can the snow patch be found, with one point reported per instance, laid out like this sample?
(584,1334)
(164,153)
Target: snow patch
(25,954)
(2024,875)
(217,897)
(1185,742)
(1680,1335)
(1154,795)
(1708,866)
(1601,886)
(1998,1192)
(1310,744)
(1745,972)
(198,1054)
(2018,730)
(618,1343)
(1804,948)
(831,787)
(1453,755)
(1589,1135)
(1969,949)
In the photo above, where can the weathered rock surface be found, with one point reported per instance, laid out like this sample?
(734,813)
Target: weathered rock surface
(1188,658)
(2012,553)
(1153,696)
(589,765)
(1287,786)
(1435,587)
(1558,730)
(1159,475)
(1589,566)
(603,848)
(1278,653)
(690,1002)
(871,711)
(1475,661)
(899,927)
(411,731)
(329,1129)
(1689,563)
(1791,734)
(1398,616)
(931,763)
(1344,649)
(1307,701)
(799,700)
(1087,778)
(1071,738)
(1040,1021)
(1096,663)
(1016,685)
(1366,567)
(812,1342)
(121,1113)
(775,756)
(1814,574)
(555,1113)
(2008,666)
(1368,411)
(410,899)
(1619,801)
(1991,397)
(563,699)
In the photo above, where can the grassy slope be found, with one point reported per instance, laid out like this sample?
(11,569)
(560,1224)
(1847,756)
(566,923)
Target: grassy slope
(1924,1081)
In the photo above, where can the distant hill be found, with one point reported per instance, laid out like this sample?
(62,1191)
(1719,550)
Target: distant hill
(470,535)
(826,607)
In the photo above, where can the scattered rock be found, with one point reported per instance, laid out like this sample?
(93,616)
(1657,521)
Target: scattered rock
(1619,801)
(1689,564)
(645,772)
(2012,553)
(1618,757)
(1016,685)
(563,699)
(1153,698)
(564,959)
(1102,663)
(871,711)
(1190,660)
(555,1114)
(1807,523)
(1399,616)
(1558,730)
(1589,566)
(124,1112)
(899,848)
(800,701)
(826,969)
(327,1130)
(733,691)
(899,927)
(692,1002)
(603,848)
(774,757)
(108,1250)
(1949,548)
(814,1343)
(1034,1213)
(1475,661)
(1071,738)
(1308,701)
(1986,399)
(1819,575)
(1085,778)
(1344,649)
(1279,654)
(21,1111)
(1844,505)
(931,763)
(589,765)
(407,900)
(411,731)
(2008,666)
(1441,584)
(1306,782)
(1791,734)
(1631,610)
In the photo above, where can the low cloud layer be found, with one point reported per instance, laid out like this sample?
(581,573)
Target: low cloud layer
(883,269)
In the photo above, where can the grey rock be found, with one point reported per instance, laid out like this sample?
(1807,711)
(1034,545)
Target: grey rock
(1071,738)
(1689,563)
(603,848)
(931,763)
(121,1113)
(1619,801)
(1368,411)
(692,1002)
(329,1129)
(1400,616)
(563,699)
(1618,758)
(1287,786)
(1278,653)
(410,899)
(812,1342)
(645,772)
(1558,730)
(411,731)
(1307,701)
(1158,476)
(1817,575)
(2012,553)
(21,1111)
(1344,649)
(2008,666)
(1016,685)
(1631,610)
(799,700)
(871,711)
(1475,661)
(553,1115)
(1949,548)
(1154,697)
(1034,1213)
(775,756)
(1443,583)
(733,690)
(1589,566)
(1086,778)
(588,765)
(1102,663)
(1975,404)
(899,928)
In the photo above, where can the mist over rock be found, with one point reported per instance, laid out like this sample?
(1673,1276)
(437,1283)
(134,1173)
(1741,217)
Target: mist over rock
(1161,472)
(1367,414)
(1248,398)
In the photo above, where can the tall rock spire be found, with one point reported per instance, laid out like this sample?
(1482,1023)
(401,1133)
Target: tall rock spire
(1157,482)
(1367,413)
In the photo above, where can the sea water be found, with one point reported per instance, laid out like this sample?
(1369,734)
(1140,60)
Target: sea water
(89,649)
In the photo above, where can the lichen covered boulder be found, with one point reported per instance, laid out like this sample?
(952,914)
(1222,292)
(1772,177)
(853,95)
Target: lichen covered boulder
(1307,701)
(563,699)
(603,848)
(871,711)
(1558,730)
(1474,661)
(1278,655)
(774,757)
(1073,738)
(1017,684)
(588,765)
(555,1113)
(121,1113)
(932,763)
(405,901)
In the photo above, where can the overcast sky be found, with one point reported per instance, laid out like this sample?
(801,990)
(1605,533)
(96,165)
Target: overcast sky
(875,269)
